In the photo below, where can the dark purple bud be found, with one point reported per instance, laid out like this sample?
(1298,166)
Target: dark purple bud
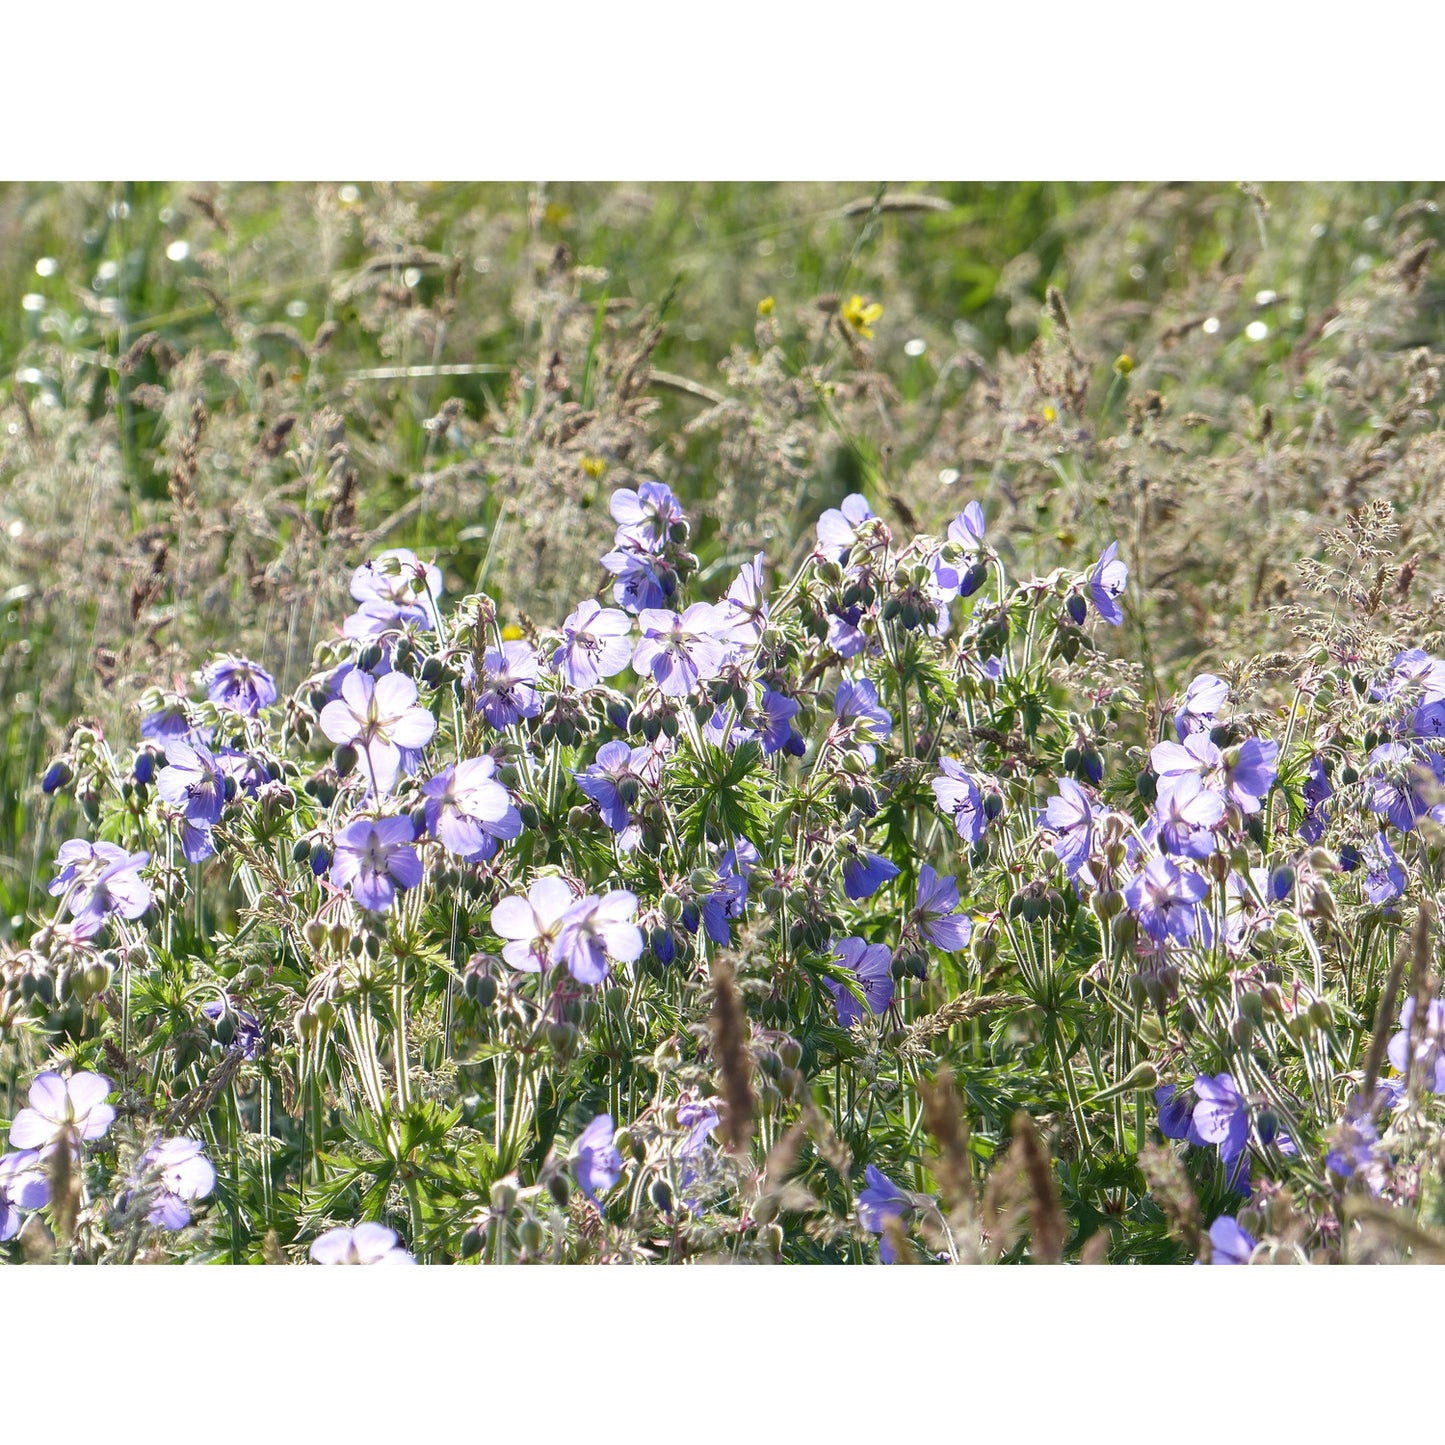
(320,859)
(57,775)
(1077,608)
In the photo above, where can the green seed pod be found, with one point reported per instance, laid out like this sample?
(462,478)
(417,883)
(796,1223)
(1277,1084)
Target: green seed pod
(1322,1016)
(660,1192)
(471,1244)
(562,1039)
(486,991)
(559,1189)
(344,759)
(504,1197)
(325,1012)
(531,1234)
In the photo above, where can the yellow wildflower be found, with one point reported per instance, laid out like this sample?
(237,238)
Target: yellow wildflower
(860,314)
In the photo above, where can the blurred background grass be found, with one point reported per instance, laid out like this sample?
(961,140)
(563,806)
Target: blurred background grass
(217,399)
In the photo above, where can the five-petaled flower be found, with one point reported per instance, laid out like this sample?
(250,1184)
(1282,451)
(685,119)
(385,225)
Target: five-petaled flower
(375,858)
(70,1111)
(380,718)
(360,1244)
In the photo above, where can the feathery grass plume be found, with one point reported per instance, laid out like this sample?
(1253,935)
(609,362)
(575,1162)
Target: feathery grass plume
(832,1149)
(944,1119)
(271,1251)
(1096,1247)
(1049,1228)
(955,1011)
(1421,988)
(37,1244)
(729,1043)
(1005,1206)
(1170,1187)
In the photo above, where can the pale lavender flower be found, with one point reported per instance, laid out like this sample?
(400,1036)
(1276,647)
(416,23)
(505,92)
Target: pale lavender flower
(595,644)
(1197,755)
(99,879)
(680,651)
(396,588)
(23,1185)
(640,585)
(508,692)
(531,924)
(1107,583)
(596,1163)
(776,728)
(71,1110)
(745,608)
(838,526)
(1249,773)
(1424,1057)
(362,1244)
(864,873)
(862,720)
(468,810)
(961,798)
(1396,787)
(1070,818)
(1228,1242)
(646,516)
(1187,813)
(1203,699)
(192,781)
(878,1202)
(375,857)
(611,781)
(380,718)
(1384,877)
(239,684)
(181,1174)
(872,966)
(595,929)
(1166,901)
(936,912)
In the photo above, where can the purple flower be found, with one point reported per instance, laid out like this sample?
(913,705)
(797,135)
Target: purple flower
(679,651)
(1228,1242)
(1249,773)
(838,526)
(23,1185)
(1395,790)
(180,1173)
(508,694)
(745,608)
(594,645)
(872,965)
(1107,583)
(960,797)
(380,718)
(594,928)
(1425,1057)
(1317,792)
(166,723)
(645,516)
(1176,1113)
(611,781)
(1166,900)
(363,1244)
(845,637)
(396,588)
(878,1202)
(936,912)
(192,781)
(864,873)
(531,924)
(863,721)
(776,728)
(1221,1117)
(375,857)
(1411,668)
(1197,755)
(1354,1147)
(1070,817)
(98,879)
(71,1110)
(1203,699)
(638,587)
(1384,877)
(729,902)
(596,1163)
(1187,814)
(248,1039)
(966,531)
(468,810)
(240,684)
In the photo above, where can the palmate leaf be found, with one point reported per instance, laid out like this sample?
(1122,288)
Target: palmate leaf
(728,800)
